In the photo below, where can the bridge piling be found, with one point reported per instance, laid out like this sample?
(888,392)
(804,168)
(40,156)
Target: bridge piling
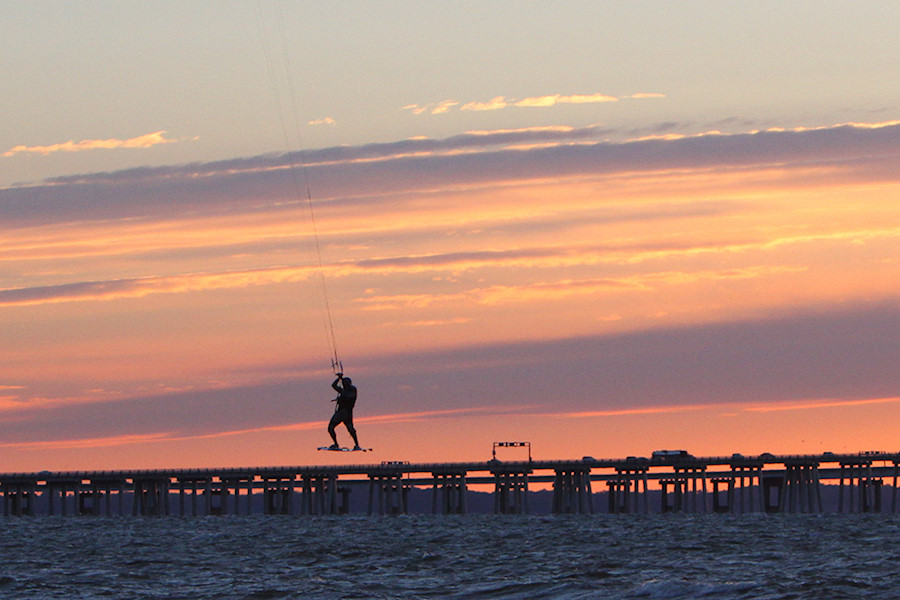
(151,496)
(389,491)
(190,486)
(319,494)
(863,489)
(572,492)
(619,496)
(449,492)
(635,477)
(802,490)
(743,493)
(718,506)
(894,490)
(278,494)
(510,491)
(688,496)
(18,497)
(236,483)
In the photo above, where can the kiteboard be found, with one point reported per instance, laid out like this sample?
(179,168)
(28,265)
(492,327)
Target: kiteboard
(330,449)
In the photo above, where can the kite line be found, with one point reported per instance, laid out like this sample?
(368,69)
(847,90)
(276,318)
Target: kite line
(295,165)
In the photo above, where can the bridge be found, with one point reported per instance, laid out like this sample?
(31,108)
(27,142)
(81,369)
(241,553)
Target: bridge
(674,482)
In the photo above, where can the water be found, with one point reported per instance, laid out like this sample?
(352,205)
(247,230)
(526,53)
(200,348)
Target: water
(473,556)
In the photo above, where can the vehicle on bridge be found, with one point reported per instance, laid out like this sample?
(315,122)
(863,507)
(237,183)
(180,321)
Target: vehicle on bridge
(669,455)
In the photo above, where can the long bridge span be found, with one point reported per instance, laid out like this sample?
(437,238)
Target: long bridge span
(673,482)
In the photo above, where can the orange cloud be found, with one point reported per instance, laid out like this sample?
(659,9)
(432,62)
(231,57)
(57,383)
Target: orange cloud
(501,102)
(434,108)
(495,103)
(443,107)
(549,100)
(554,99)
(143,141)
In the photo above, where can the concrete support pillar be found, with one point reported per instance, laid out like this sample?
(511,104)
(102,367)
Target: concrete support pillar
(773,493)
(318,494)
(871,496)
(151,497)
(278,494)
(745,494)
(18,497)
(448,495)
(194,487)
(87,500)
(237,483)
(802,492)
(51,498)
(665,504)
(690,489)
(108,494)
(572,492)
(216,494)
(617,496)
(84,501)
(388,492)
(94,497)
(344,506)
(718,505)
(863,490)
(894,490)
(59,490)
(121,499)
(510,492)
(632,492)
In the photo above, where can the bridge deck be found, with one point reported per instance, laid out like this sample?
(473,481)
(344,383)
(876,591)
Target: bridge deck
(793,480)
(724,463)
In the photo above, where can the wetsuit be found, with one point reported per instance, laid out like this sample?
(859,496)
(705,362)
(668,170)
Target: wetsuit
(343,413)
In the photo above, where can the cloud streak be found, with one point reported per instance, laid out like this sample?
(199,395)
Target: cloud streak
(860,151)
(546,291)
(145,286)
(726,366)
(143,141)
(502,102)
(96,436)
(455,262)
(750,407)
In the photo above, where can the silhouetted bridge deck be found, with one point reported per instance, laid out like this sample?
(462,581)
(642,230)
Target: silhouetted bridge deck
(766,483)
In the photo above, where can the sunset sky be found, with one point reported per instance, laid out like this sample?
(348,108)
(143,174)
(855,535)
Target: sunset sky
(602,227)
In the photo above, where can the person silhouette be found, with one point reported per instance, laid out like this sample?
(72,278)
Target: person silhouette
(343,412)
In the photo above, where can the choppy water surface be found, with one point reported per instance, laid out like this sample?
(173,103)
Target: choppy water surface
(476,556)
